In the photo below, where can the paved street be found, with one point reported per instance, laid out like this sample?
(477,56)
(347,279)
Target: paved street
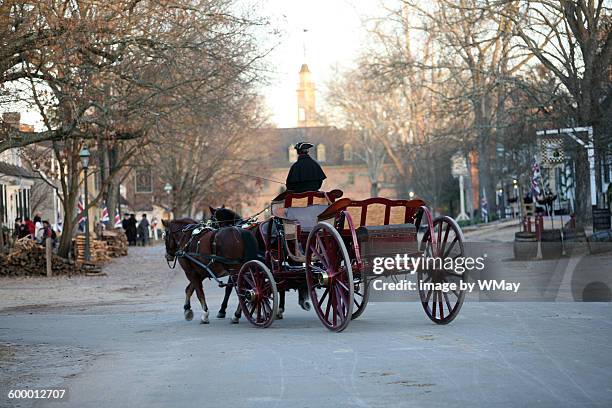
(140,352)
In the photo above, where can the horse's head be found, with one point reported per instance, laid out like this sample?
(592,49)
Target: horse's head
(173,233)
(170,230)
(224,217)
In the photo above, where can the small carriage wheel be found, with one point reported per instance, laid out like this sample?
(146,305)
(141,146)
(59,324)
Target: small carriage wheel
(330,277)
(257,293)
(361,295)
(442,307)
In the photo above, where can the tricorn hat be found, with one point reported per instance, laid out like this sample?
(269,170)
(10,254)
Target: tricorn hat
(303,146)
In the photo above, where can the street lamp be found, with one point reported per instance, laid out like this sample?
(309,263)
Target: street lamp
(411,194)
(168,190)
(84,155)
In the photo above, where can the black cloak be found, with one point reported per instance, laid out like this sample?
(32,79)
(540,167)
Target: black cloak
(305,175)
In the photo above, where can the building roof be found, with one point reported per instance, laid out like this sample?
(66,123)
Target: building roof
(15,171)
(304,68)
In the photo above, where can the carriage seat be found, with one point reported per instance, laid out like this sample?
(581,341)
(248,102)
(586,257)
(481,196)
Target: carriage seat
(373,212)
(302,208)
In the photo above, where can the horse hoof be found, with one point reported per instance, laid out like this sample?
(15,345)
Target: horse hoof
(305,305)
(189,315)
(279,316)
(235,320)
(204,321)
(221,315)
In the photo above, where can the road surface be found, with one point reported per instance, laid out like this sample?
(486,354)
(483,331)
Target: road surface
(139,352)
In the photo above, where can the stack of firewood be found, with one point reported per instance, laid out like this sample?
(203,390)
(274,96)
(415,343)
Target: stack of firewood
(98,251)
(116,243)
(28,258)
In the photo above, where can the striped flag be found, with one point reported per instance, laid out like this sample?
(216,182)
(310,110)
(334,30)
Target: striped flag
(535,179)
(105,217)
(117,219)
(484,207)
(82,218)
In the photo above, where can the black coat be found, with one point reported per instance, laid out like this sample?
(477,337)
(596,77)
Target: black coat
(305,175)
(130,229)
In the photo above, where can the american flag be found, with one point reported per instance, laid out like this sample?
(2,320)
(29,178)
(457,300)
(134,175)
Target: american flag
(535,179)
(484,207)
(117,219)
(105,217)
(82,218)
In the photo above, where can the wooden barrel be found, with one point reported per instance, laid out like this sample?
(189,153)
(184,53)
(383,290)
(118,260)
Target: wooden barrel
(551,244)
(525,245)
(601,219)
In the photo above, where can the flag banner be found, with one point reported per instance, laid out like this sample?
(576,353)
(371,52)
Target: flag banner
(117,220)
(105,217)
(82,219)
(535,179)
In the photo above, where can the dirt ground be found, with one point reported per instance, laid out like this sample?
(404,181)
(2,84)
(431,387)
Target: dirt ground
(142,273)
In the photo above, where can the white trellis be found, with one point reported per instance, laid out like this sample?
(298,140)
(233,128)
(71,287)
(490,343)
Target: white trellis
(588,145)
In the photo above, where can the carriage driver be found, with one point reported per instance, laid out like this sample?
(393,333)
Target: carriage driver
(305,174)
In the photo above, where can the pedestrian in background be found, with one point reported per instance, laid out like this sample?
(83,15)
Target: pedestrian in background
(130,230)
(38,229)
(143,230)
(31,228)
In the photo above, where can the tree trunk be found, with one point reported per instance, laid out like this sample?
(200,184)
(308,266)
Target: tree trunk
(584,215)
(67,232)
(374,189)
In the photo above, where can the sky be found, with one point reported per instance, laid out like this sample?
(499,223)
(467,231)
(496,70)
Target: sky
(334,38)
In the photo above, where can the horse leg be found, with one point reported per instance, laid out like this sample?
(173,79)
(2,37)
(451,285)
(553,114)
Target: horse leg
(281,305)
(228,292)
(187,307)
(237,315)
(303,298)
(200,292)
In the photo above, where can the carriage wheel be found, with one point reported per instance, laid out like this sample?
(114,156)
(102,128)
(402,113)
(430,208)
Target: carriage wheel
(361,295)
(330,277)
(442,307)
(257,293)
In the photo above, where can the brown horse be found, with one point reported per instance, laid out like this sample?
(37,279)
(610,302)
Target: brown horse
(230,246)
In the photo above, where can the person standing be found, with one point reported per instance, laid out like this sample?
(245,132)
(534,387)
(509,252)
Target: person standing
(30,227)
(38,229)
(130,230)
(143,230)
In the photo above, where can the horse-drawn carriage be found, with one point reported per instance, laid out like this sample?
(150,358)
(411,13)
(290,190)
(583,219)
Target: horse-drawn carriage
(328,244)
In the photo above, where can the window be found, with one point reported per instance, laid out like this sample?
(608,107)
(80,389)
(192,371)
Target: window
(144,180)
(301,114)
(321,152)
(292,154)
(351,179)
(348,152)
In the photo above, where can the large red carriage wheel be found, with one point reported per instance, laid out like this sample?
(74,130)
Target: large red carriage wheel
(445,242)
(330,277)
(257,293)
(361,295)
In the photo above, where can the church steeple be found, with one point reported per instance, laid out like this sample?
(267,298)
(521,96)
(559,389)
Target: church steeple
(306,99)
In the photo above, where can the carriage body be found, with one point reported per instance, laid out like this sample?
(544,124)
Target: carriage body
(329,243)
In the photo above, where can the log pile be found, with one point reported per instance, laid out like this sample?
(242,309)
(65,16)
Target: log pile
(116,242)
(28,258)
(98,251)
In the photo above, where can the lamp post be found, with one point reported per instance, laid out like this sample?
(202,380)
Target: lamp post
(84,155)
(168,190)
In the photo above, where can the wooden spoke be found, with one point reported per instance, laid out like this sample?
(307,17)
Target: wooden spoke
(448,235)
